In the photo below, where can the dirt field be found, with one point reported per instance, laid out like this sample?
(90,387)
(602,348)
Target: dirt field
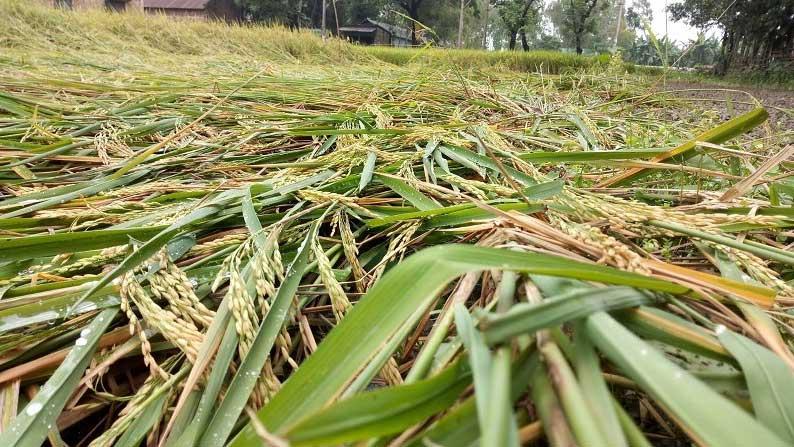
(730,101)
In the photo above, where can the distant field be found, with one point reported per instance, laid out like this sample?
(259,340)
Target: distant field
(532,61)
(128,37)
(221,235)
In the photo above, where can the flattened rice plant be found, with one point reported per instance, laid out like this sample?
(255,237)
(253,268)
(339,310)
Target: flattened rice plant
(205,250)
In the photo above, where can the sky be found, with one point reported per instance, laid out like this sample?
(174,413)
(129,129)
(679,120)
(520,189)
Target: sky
(679,31)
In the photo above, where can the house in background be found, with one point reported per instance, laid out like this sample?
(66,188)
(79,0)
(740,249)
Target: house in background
(76,4)
(122,5)
(372,32)
(196,9)
(191,9)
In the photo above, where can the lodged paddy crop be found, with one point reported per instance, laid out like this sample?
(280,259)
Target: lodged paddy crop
(236,235)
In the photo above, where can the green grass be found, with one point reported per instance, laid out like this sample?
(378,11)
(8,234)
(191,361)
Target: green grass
(235,235)
(530,61)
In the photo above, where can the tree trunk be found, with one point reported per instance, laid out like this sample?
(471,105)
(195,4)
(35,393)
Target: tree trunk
(617,29)
(524,43)
(512,45)
(726,53)
(719,67)
(460,24)
(298,15)
(756,51)
(485,26)
(336,17)
(578,43)
(414,14)
(323,21)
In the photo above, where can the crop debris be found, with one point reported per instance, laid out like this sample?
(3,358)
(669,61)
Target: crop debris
(224,240)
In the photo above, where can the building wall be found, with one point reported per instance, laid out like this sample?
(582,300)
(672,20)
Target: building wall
(132,5)
(88,4)
(179,13)
(224,9)
(75,4)
(216,9)
(116,5)
(382,37)
(85,4)
(362,38)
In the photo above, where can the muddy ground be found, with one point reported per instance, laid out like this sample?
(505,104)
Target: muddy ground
(730,101)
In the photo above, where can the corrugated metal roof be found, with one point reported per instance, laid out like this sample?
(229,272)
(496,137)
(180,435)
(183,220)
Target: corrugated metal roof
(176,4)
(394,30)
(357,29)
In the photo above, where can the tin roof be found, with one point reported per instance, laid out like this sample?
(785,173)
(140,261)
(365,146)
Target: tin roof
(357,29)
(394,30)
(176,4)
(369,26)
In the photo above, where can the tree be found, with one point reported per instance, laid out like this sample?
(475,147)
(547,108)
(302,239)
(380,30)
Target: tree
(286,12)
(547,42)
(411,7)
(356,11)
(605,23)
(754,33)
(465,8)
(703,51)
(516,15)
(639,12)
(644,51)
(485,24)
(578,18)
(621,23)
(463,4)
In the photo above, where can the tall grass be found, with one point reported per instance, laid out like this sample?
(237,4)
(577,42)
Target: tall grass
(30,25)
(134,35)
(529,61)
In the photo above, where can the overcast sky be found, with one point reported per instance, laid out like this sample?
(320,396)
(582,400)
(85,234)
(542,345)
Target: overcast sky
(679,31)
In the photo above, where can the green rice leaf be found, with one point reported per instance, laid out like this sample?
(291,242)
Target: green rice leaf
(381,412)
(674,388)
(16,248)
(720,134)
(242,385)
(408,192)
(480,361)
(369,169)
(528,318)
(140,427)
(595,391)
(769,380)
(88,190)
(30,427)
(543,191)
(374,319)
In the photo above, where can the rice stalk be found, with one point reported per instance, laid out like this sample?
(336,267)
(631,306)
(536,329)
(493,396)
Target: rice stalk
(310,211)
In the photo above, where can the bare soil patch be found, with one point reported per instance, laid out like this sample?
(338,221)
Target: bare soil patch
(729,101)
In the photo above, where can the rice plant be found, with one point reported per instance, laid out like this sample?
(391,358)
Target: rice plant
(237,248)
